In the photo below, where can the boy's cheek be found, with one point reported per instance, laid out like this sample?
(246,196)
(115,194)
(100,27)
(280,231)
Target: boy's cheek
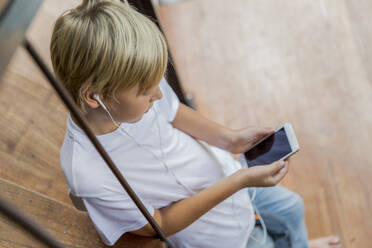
(134,113)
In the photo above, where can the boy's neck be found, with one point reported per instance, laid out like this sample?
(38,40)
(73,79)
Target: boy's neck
(98,125)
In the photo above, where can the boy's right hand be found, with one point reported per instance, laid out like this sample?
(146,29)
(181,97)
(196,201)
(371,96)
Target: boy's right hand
(263,175)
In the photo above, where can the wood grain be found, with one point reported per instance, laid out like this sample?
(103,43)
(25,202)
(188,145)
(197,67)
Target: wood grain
(246,63)
(306,62)
(64,223)
(33,118)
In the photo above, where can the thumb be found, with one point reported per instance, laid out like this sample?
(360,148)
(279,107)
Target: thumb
(281,173)
(265,132)
(269,130)
(276,167)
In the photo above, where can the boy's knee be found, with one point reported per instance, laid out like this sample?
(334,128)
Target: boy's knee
(297,205)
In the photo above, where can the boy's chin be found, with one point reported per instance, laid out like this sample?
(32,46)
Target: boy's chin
(136,120)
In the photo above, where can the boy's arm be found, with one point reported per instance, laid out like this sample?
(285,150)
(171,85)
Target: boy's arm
(234,141)
(199,127)
(179,215)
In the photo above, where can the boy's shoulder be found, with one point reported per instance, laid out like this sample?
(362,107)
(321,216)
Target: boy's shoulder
(82,165)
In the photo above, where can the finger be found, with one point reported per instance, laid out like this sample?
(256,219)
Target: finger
(260,137)
(281,173)
(263,130)
(276,167)
(267,131)
(270,130)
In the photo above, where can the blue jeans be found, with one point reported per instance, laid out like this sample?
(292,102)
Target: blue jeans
(283,213)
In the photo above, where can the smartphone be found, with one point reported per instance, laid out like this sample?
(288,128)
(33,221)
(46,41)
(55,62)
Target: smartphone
(277,146)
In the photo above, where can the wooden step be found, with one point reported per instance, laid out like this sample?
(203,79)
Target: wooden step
(71,227)
(33,118)
(32,130)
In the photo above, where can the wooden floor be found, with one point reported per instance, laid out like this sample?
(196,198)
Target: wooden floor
(246,63)
(306,62)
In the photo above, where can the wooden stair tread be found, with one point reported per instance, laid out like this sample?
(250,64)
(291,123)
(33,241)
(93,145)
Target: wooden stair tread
(71,227)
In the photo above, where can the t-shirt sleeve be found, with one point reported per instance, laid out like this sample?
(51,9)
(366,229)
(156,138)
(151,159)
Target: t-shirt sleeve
(113,215)
(169,104)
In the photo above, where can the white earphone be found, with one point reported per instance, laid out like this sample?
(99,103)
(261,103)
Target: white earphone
(96,96)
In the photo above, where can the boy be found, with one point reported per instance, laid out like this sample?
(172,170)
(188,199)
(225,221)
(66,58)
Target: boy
(112,60)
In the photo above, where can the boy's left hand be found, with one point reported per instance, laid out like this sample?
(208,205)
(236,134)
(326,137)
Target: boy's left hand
(243,139)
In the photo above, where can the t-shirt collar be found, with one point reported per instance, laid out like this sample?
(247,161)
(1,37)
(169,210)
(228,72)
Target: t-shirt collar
(74,129)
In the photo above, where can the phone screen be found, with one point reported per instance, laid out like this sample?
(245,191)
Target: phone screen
(273,148)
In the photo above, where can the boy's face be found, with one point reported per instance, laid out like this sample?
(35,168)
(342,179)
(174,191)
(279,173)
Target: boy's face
(132,107)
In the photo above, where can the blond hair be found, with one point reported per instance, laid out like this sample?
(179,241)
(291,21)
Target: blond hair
(108,47)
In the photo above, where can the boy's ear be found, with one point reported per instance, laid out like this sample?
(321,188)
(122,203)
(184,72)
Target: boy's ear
(88,97)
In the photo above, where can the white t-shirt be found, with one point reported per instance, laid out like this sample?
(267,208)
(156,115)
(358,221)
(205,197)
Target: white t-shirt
(189,167)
